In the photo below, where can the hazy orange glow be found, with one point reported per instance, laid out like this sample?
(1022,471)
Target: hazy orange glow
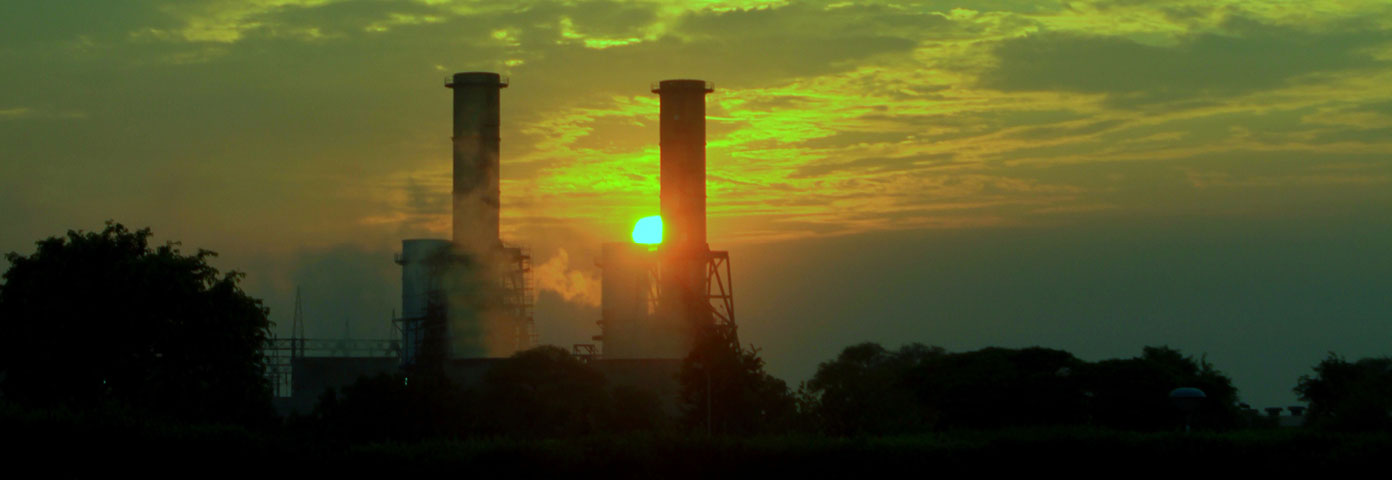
(648,230)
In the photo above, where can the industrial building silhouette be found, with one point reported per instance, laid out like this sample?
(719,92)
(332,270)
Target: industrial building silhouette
(467,302)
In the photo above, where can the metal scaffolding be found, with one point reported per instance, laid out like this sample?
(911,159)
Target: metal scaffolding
(720,295)
(645,317)
(281,353)
(517,296)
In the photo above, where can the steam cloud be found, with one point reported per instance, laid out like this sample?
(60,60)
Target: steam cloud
(573,285)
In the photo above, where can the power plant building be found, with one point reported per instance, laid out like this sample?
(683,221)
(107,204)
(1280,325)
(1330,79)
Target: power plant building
(467,301)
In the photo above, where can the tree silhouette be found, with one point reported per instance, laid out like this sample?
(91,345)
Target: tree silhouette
(101,317)
(870,390)
(635,409)
(544,391)
(866,390)
(1347,395)
(389,406)
(724,389)
(1001,387)
(1133,393)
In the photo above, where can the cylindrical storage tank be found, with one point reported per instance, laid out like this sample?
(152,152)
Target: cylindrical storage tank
(624,289)
(423,263)
(632,327)
(476,149)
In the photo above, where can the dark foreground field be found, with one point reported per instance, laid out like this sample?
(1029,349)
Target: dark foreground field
(65,444)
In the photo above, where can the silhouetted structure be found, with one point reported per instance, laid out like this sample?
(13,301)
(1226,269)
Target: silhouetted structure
(465,298)
(476,166)
(658,301)
(471,297)
(300,368)
(483,286)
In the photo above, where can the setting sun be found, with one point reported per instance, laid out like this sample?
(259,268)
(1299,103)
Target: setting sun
(648,230)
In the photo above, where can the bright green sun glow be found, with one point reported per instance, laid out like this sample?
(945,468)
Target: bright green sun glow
(648,230)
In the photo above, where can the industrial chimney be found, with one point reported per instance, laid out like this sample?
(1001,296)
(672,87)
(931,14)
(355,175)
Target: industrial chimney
(683,171)
(685,254)
(476,192)
(693,298)
(487,299)
(469,297)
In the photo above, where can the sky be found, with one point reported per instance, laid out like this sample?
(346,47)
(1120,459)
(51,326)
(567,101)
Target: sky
(1094,176)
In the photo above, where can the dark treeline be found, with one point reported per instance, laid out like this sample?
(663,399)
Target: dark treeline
(107,337)
(543,392)
(867,390)
(870,390)
(546,392)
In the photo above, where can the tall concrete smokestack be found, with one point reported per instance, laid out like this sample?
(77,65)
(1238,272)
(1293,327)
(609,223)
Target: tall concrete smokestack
(683,175)
(694,300)
(476,192)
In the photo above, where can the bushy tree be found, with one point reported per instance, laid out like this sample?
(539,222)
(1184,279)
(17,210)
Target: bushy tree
(1133,393)
(394,407)
(867,390)
(634,409)
(724,388)
(103,317)
(545,391)
(1002,387)
(1351,396)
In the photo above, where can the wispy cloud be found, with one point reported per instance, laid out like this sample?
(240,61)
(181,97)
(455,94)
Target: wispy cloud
(17,113)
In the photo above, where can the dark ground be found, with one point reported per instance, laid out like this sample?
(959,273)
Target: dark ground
(64,444)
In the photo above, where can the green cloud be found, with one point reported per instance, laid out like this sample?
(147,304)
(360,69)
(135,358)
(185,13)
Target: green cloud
(1252,57)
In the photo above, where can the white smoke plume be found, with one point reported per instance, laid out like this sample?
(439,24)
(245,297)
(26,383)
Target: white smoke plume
(573,285)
